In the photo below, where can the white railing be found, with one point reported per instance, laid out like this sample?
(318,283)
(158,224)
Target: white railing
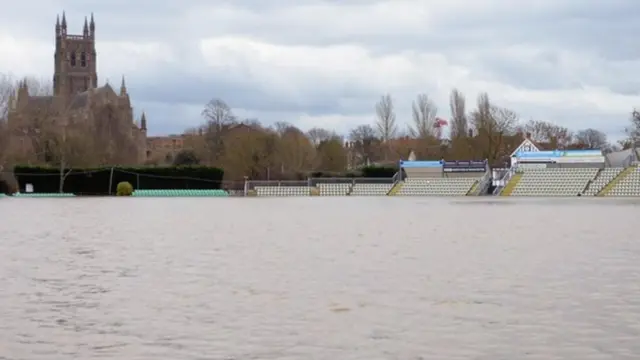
(504,180)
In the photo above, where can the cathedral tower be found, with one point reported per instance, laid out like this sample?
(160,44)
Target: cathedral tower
(75,59)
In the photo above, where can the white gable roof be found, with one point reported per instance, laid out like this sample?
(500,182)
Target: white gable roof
(526,146)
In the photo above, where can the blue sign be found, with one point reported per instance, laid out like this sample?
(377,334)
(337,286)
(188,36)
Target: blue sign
(539,154)
(420,164)
(557,154)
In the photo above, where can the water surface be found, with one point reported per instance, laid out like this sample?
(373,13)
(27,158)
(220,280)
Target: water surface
(319,278)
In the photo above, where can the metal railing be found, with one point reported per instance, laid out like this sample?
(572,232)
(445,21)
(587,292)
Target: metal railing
(483,184)
(351,181)
(251,185)
(504,180)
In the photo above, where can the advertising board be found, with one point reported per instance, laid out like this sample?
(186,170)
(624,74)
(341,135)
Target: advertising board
(581,160)
(582,153)
(464,166)
(532,166)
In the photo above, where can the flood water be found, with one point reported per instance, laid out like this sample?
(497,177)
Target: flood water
(319,278)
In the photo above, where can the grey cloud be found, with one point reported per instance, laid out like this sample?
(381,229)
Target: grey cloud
(199,90)
(605,28)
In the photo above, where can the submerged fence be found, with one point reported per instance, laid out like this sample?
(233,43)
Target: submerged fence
(298,186)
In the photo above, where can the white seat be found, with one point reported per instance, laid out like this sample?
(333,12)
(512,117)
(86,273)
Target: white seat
(554,181)
(437,186)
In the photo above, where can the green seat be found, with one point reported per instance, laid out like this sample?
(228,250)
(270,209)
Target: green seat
(181,193)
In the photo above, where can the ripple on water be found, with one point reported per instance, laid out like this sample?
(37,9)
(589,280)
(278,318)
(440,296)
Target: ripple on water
(320,278)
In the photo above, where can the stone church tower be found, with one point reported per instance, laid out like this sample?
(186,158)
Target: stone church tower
(75,59)
(77,98)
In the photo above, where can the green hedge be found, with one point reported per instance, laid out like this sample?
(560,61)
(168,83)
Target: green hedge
(378,171)
(95,181)
(4,187)
(365,172)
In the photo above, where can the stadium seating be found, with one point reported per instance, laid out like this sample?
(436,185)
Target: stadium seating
(181,193)
(605,177)
(283,190)
(437,187)
(371,189)
(334,189)
(628,186)
(43,195)
(554,181)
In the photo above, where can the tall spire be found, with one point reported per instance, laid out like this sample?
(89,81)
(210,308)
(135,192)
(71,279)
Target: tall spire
(12,101)
(64,21)
(85,28)
(92,26)
(23,90)
(57,24)
(143,122)
(123,87)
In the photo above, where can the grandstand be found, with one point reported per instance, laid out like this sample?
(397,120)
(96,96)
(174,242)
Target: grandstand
(532,172)
(627,184)
(334,189)
(371,189)
(322,187)
(283,190)
(570,173)
(442,178)
(557,173)
(605,176)
(552,182)
(437,187)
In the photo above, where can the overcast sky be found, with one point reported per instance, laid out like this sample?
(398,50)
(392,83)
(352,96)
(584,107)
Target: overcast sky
(326,63)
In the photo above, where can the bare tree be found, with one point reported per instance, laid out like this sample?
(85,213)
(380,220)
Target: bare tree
(38,87)
(459,121)
(633,130)
(386,119)
(318,135)
(218,117)
(218,114)
(295,151)
(362,132)
(424,113)
(592,139)
(365,145)
(492,125)
(4,142)
(555,136)
(6,89)
(251,122)
(282,127)
(505,120)
(9,85)
(489,117)
(331,155)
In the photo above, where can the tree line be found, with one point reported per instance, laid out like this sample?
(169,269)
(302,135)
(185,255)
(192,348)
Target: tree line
(49,135)
(247,147)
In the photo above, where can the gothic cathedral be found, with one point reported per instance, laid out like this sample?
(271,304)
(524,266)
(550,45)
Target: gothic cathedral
(104,116)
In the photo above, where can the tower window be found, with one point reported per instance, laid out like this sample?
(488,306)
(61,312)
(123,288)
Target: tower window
(73,59)
(83,59)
